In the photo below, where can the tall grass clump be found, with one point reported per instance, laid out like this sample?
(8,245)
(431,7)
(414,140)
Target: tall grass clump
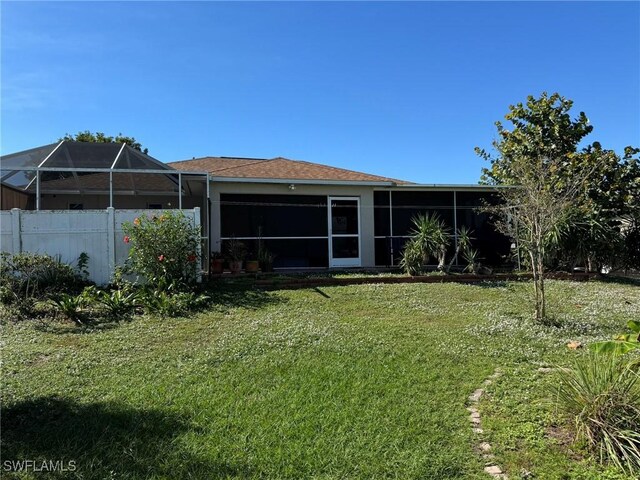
(602,393)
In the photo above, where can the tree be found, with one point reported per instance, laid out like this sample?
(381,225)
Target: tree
(542,128)
(533,161)
(535,212)
(607,206)
(100,137)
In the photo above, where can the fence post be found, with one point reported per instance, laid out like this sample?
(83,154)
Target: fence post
(196,223)
(111,240)
(16,230)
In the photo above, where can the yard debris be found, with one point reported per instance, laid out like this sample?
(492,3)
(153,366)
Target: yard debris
(574,345)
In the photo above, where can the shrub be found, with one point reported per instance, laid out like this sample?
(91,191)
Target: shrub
(163,248)
(172,304)
(70,306)
(623,343)
(602,393)
(35,275)
(120,303)
(412,257)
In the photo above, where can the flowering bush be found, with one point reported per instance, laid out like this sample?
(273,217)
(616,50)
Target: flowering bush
(164,248)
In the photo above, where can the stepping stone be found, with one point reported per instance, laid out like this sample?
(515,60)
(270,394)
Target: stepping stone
(487,382)
(478,430)
(472,409)
(493,470)
(485,447)
(475,396)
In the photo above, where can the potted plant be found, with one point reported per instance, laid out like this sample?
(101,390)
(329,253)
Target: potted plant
(235,252)
(265,257)
(216,264)
(251,266)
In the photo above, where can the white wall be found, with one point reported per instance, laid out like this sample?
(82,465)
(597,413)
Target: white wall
(68,233)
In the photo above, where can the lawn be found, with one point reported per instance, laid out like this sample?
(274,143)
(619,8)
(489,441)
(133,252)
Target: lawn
(366,381)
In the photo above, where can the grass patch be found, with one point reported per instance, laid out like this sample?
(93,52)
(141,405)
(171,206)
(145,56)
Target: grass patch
(367,381)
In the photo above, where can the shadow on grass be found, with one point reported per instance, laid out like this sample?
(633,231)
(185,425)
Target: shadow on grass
(242,296)
(104,440)
(619,279)
(62,327)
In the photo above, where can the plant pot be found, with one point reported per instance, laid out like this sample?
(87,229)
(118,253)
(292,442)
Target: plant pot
(216,266)
(235,266)
(251,266)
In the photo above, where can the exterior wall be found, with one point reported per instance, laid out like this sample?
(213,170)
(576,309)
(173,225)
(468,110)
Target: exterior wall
(365,193)
(11,198)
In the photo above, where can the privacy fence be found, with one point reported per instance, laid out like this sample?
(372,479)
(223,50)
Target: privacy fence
(67,234)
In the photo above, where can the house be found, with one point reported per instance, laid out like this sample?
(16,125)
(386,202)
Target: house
(317,216)
(307,214)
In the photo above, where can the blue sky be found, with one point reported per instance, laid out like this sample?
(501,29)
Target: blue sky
(405,90)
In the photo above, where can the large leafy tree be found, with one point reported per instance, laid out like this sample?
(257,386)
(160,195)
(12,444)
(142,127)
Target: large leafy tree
(606,215)
(609,209)
(540,128)
(100,137)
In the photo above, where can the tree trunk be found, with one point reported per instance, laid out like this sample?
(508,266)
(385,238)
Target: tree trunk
(537,266)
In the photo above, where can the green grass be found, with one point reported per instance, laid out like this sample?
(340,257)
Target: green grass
(365,381)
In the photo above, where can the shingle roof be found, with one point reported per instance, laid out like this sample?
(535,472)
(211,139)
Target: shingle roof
(276,168)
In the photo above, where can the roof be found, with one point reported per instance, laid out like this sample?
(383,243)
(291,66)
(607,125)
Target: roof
(70,154)
(277,168)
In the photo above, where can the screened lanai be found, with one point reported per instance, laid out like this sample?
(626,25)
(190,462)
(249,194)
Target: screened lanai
(81,175)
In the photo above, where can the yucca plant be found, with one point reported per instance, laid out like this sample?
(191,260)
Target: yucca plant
(429,238)
(602,394)
(463,246)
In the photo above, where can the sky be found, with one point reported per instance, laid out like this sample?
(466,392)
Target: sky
(404,90)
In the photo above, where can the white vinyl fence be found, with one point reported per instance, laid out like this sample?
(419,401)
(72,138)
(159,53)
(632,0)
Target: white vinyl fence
(68,233)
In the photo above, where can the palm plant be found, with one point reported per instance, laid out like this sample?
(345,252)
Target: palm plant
(429,238)
(463,246)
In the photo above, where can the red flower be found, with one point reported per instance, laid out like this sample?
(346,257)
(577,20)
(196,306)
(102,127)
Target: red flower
(161,258)
(191,258)
(126,239)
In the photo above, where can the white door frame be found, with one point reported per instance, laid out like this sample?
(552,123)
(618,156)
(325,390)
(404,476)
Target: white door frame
(344,262)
